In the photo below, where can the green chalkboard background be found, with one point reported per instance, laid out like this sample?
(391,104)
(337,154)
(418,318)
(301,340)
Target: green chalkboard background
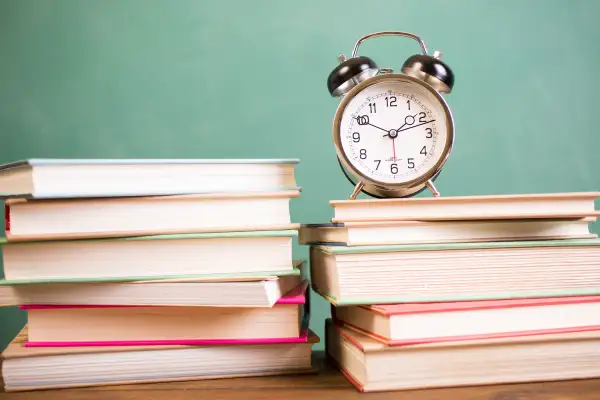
(247,79)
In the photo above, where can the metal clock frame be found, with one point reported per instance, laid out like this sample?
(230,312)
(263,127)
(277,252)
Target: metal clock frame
(377,188)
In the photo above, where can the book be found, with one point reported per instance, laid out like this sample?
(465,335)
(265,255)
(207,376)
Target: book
(371,366)
(77,325)
(182,254)
(32,219)
(363,275)
(66,178)
(413,323)
(407,232)
(510,206)
(34,368)
(225,290)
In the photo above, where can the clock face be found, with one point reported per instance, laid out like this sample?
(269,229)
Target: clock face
(394,131)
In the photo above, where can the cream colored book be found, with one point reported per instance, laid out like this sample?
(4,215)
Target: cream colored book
(148,256)
(208,291)
(372,366)
(69,178)
(34,368)
(30,219)
(412,323)
(511,206)
(67,325)
(455,271)
(407,232)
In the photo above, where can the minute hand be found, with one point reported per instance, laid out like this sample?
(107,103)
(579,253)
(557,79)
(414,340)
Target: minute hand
(414,126)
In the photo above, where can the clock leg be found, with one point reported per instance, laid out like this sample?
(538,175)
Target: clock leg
(432,188)
(359,186)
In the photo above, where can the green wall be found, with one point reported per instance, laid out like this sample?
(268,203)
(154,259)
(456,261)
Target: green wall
(247,79)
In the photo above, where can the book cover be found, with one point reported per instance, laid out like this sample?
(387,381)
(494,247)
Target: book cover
(299,295)
(459,246)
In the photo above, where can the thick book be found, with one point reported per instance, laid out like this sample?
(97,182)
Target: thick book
(371,366)
(413,323)
(442,272)
(50,219)
(34,368)
(408,232)
(224,290)
(76,325)
(509,206)
(66,178)
(182,254)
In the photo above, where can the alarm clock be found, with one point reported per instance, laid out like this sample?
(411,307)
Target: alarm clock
(392,132)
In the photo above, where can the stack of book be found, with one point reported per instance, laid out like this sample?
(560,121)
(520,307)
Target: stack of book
(152,270)
(454,291)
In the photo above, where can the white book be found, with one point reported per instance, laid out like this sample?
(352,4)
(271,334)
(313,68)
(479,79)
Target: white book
(64,178)
(34,368)
(407,232)
(28,219)
(148,256)
(441,272)
(510,206)
(226,291)
(372,366)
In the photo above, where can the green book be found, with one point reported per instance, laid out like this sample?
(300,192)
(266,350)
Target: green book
(455,271)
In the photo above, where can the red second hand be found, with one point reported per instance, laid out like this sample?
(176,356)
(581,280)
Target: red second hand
(394,148)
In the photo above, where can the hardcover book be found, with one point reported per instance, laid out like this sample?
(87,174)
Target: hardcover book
(66,178)
(443,272)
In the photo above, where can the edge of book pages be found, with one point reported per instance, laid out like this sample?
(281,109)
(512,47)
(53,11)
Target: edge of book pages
(179,236)
(9,238)
(465,338)
(154,193)
(266,194)
(226,277)
(372,345)
(296,296)
(458,246)
(478,217)
(311,370)
(476,296)
(462,199)
(139,161)
(416,222)
(16,348)
(391,310)
(303,337)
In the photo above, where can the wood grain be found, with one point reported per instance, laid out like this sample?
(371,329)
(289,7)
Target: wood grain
(327,384)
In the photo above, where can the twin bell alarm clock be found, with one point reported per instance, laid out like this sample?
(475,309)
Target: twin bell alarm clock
(392,132)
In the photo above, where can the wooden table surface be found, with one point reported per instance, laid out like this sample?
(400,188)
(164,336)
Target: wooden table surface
(327,384)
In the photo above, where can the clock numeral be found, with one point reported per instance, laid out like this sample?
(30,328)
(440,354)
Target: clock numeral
(378,162)
(362,120)
(394,168)
(408,103)
(372,108)
(411,163)
(356,137)
(423,151)
(422,116)
(363,153)
(390,101)
(429,134)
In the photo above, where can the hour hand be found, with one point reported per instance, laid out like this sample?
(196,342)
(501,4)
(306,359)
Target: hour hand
(364,120)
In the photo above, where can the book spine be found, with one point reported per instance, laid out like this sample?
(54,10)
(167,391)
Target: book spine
(6,218)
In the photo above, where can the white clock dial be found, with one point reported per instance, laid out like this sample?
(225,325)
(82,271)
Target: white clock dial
(394,131)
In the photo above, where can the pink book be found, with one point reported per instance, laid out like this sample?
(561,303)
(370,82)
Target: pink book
(416,323)
(67,325)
